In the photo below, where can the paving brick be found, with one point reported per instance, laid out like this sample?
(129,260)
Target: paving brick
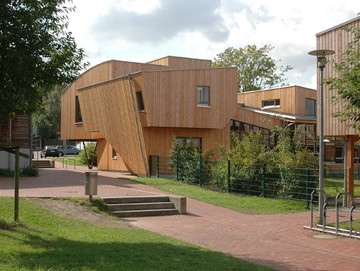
(278,241)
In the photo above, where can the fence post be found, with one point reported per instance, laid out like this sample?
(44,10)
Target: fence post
(200,171)
(150,165)
(228,176)
(177,168)
(157,166)
(263,180)
(307,188)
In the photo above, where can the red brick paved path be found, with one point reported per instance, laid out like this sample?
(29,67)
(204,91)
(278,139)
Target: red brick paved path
(278,241)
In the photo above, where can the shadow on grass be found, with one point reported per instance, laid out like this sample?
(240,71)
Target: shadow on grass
(64,254)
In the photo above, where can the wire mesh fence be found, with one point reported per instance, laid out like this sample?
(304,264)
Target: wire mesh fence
(225,175)
(256,180)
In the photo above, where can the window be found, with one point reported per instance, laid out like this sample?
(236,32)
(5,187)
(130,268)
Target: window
(203,95)
(140,101)
(189,142)
(114,154)
(78,117)
(310,107)
(271,103)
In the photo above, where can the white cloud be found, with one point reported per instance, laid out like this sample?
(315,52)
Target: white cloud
(143,30)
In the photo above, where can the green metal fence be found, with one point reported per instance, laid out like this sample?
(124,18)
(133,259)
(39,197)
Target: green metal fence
(259,180)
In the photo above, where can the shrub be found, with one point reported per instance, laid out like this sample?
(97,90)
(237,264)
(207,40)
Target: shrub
(190,164)
(29,172)
(89,157)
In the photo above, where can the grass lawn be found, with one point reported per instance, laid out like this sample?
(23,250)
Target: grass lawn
(46,241)
(334,185)
(240,203)
(70,160)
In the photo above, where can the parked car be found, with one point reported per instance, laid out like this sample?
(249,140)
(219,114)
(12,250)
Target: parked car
(50,151)
(72,150)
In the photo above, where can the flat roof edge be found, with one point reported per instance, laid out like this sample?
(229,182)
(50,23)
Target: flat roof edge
(338,26)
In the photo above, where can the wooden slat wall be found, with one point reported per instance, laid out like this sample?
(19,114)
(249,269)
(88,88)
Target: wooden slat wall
(171,98)
(292,99)
(20,130)
(182,63)
(159,140)
(105,161)
(108,107)
(337,40)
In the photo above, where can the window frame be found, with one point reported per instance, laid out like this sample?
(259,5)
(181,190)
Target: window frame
(78,116)
(275,103)
(314,107)
(140,101)
(185,142)
(203,96)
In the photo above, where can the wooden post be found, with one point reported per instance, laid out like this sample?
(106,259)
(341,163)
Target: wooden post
(350,140)
(17,176)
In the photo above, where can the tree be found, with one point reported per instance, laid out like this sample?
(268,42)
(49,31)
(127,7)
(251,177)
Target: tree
(36,53)
(347,81)
(256,69)
(46,120)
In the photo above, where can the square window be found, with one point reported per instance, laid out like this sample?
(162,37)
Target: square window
(203,93)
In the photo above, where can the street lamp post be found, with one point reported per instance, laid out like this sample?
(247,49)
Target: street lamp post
(321,60)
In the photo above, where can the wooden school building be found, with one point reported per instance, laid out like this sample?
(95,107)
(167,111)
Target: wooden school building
(335,130)
(134,110)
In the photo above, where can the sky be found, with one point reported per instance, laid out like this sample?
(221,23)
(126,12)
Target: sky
(145,30)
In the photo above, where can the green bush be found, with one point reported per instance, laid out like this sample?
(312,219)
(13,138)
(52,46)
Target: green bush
(25,172)
(86,157)
(29,172)
(6,172)
(190,164)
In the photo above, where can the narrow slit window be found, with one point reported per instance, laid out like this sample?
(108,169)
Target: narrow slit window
(140,101)
(114,157)
(271,103)
(78,117)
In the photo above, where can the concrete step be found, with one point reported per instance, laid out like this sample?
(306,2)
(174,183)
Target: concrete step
(139,213)
(137,199)
(140,206)
(136,206)
(43,163)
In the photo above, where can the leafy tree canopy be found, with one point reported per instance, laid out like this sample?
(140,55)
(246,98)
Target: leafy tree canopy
(36,52)
(347,81)
(256,69)
(46,120)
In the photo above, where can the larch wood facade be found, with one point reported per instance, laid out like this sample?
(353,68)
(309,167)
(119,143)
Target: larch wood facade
(337,39)
(111,113)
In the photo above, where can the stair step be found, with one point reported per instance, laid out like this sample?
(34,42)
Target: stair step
(139,199)
(42,163)
(138,213)
(140,206)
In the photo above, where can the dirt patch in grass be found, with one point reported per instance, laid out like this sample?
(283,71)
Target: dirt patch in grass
(76,210)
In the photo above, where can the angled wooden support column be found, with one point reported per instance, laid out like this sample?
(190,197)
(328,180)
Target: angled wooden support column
(350,150)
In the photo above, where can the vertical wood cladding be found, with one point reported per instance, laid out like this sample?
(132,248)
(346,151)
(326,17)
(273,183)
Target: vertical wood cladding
(18,130)
(335,39)
(292,99)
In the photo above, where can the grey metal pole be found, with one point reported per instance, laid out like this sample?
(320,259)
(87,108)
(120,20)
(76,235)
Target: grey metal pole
(321,145)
